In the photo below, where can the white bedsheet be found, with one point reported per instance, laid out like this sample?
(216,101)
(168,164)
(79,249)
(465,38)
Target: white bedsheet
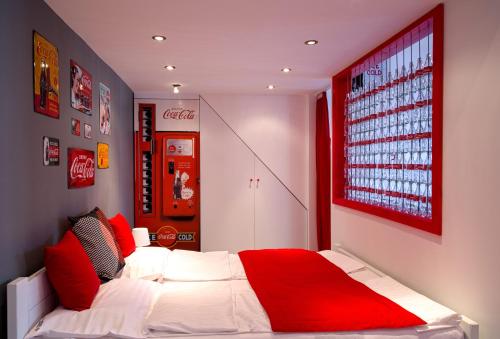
(431,312)
(197,266)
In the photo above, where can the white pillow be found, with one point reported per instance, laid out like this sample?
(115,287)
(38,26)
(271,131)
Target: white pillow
(197,266)
(236,267)
(348,265)
(118,309)
(146,263)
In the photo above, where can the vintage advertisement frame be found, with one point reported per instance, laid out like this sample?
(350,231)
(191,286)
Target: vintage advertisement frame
(53,52)
(102,155)
(78,176)
(84,88)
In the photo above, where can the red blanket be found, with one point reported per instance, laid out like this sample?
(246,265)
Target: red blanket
(303,292)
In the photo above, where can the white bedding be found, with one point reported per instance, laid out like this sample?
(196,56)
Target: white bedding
(119,310)
(197,266)
(193,307)
(229,307)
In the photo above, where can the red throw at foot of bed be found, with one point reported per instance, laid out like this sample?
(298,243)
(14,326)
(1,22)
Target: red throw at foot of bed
(303,292)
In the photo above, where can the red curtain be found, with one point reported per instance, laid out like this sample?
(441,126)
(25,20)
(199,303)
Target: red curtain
(323,173)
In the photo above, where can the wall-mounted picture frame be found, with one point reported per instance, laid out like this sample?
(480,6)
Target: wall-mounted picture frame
(104,109)
(87,131)
(80,88)
(45,77)
(75,127)
(51,151)
(81,168)
(102,155)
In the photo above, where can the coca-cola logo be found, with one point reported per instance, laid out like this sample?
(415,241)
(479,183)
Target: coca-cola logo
(179,114)
(82,167)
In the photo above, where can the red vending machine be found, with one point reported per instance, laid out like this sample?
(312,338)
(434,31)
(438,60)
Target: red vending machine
(167,172)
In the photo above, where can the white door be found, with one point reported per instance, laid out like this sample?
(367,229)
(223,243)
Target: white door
(227,195)
(280,219)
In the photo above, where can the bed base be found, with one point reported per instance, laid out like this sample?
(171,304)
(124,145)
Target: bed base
(31,298)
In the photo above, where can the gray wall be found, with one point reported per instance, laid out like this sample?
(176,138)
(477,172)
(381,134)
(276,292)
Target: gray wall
(35,200)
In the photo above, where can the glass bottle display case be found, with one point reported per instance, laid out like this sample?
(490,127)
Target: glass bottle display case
(387,128)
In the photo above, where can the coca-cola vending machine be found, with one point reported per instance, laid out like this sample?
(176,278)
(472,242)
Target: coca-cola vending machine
(167,172)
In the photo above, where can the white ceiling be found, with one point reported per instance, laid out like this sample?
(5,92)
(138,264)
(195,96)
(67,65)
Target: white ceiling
(234,46)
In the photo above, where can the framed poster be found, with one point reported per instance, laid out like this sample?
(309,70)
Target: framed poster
(87,131)
(81,88)
(102,155)
(75,127)
(104,109)
(81,168)
(45,77)
(50,151)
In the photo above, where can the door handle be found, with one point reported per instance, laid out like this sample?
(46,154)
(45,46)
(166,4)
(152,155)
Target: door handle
(257,185)
(251,181)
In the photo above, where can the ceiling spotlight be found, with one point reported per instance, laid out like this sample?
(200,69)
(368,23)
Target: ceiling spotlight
(286,70)
(270,86)
(311,42)
(170,67)
(159,38)
(176,88)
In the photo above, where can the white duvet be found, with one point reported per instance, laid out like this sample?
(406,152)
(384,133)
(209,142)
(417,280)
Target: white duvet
(119,309)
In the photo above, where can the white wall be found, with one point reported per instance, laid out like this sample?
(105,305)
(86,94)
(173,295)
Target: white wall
(277,129)
(459,269)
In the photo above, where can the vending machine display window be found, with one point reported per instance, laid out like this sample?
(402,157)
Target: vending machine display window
(387,128)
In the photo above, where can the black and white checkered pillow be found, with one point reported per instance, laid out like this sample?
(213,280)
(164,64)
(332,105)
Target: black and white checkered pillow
(98,240)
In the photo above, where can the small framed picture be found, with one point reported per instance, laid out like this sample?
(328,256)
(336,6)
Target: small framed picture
(75,127)
(50,151)
(104,109)
(102,155)
(87,131)
(81,88)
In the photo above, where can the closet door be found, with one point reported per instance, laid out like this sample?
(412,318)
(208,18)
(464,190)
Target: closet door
(227,192)
(280,219)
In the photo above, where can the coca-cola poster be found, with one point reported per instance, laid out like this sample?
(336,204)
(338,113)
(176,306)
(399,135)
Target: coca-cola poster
(102,155)
(175,114)
(75,127)
(81,168)
(50,151)
(45,76)
(104,109)
(81,88)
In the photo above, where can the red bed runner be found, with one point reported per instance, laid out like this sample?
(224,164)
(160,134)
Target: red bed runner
(303,292)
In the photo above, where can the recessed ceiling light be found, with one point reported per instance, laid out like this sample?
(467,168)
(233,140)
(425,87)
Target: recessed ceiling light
(270,86)
(170,67)
(176,88)
(159,37)
(311,42)
(286,70)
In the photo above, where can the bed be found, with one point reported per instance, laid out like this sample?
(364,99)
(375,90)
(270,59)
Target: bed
(204,299)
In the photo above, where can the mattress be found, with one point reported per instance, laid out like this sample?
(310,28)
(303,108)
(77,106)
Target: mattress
(244,318)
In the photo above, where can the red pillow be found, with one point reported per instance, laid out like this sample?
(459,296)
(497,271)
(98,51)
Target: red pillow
(123,234)
(71,273)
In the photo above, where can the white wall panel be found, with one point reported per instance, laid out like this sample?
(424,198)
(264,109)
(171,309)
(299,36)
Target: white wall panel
(227,199)
(280,219)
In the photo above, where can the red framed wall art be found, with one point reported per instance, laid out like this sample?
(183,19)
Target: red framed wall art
(387,128)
